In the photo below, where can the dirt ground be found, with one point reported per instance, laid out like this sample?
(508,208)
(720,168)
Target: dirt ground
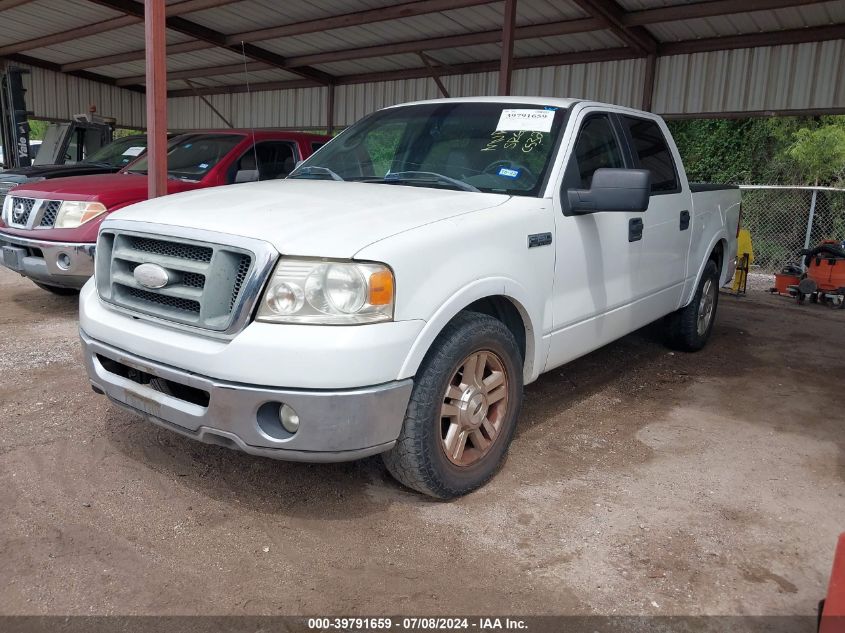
(640,482)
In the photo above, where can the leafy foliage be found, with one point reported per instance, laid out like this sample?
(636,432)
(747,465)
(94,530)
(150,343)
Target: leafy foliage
(819,154)
(777,150)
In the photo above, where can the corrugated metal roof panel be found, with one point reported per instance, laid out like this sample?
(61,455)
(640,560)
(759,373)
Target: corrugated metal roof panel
(755,22)
(374,64)
(128,38)
(803,76)
(250,15)
(44,17)
(455,22)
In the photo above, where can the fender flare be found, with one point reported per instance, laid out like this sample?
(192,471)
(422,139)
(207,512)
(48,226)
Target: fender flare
(721,236)
(456,302)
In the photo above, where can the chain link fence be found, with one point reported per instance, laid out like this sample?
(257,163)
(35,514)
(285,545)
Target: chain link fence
(785,220)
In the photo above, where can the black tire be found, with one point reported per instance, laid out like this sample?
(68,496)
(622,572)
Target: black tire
(419,459)
(58,290)
(682,326)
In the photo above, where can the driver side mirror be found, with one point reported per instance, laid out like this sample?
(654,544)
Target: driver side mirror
(246,175)
(612,190)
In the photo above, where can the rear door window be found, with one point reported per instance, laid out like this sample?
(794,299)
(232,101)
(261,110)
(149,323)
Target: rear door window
(275,159)
(652,152)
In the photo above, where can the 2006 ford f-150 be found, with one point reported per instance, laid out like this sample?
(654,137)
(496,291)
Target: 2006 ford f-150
(396,291)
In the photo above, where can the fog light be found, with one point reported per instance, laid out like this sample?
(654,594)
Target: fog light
(289,418)
(63,261)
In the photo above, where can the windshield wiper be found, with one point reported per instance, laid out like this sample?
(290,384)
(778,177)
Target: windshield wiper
(429,176)
(310,170)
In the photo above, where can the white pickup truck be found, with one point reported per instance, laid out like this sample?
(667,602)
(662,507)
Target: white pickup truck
(397,290)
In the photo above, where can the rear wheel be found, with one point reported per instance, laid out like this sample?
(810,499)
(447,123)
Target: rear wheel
(58,290)
(463,409)
(689,328)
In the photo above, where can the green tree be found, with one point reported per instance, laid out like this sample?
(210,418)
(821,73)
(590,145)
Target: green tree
(37,129)
(819,154)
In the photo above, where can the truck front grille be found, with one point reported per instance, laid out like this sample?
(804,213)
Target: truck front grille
(206,280)
(30,213)
(21,210)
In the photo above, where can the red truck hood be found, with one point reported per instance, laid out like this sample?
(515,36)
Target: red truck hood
(113,190)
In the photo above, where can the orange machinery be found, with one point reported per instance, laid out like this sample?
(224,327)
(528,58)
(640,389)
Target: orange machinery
(825,277)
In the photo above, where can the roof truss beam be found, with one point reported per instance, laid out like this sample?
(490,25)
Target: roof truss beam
(708,9)
(614,18)
(216,38)
(412,47)
(103,26)
(11,4)
(357,18)
(753,40)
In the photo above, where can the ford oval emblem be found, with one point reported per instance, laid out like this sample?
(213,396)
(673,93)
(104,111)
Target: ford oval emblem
(151,276)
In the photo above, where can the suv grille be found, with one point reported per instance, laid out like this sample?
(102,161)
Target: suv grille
(21,210)
(50,210)
(205,280)
(30,213)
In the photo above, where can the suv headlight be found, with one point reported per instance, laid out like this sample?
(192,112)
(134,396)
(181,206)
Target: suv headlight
(74,213)
(328,293)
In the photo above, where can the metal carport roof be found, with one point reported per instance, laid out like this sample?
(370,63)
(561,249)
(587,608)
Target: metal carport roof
(676,57)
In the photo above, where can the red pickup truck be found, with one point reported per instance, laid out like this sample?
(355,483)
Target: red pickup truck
(49,229)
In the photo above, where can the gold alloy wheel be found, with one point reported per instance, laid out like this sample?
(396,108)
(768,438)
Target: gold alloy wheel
(474,408)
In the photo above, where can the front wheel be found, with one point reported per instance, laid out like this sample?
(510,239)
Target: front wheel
(463,409)
(689,328)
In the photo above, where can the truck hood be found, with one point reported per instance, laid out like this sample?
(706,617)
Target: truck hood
(23,174)
(110,189)
(316,218)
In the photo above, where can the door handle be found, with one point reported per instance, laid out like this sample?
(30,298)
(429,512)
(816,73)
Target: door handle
(635,229)
(684,220)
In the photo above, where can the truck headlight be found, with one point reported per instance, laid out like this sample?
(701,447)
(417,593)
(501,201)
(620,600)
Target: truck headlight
(74,213)
(328,293)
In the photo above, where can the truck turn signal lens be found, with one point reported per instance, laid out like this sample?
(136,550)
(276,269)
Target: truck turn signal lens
(381,288)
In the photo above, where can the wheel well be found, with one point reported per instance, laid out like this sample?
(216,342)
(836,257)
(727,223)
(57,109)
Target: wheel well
(718,255)
(504,310)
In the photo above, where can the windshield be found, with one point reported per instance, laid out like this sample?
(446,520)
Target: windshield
(192,156)
(474,146)
(119,153)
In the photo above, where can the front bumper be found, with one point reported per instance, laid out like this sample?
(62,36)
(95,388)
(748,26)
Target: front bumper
(64,264)
(335,425)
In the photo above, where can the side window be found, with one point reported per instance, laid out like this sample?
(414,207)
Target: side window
(74,152)
(275,160)
(596,147)
(651,152)
(316,146)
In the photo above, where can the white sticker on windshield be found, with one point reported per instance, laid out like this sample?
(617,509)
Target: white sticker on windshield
(526,121)
(133,151)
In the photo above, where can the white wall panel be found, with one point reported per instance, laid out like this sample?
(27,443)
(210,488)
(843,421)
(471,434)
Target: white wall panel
(301,108)
(52,95)
(790,77)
